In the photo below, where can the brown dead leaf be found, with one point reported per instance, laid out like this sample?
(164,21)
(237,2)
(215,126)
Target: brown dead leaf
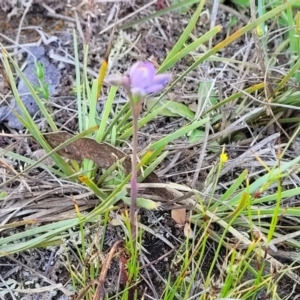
(178,215)
(103,154)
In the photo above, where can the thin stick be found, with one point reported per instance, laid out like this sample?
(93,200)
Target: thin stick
(20,25)
(100,292)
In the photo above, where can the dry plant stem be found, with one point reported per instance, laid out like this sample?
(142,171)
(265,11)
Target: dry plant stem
(100,292)
(88,29)
(28,5)
(135,12)
(201,156)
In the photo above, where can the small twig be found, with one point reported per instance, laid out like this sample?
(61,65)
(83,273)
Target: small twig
(88,29)
(201,156)
(213,17)
(21,23)
(64,18)
(100,292)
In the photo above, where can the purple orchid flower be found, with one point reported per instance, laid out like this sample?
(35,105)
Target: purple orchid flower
(141,79)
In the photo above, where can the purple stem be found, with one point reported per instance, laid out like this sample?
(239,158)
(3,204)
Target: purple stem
(134,183)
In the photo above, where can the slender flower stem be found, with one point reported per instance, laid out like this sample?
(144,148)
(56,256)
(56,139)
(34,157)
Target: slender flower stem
(134,183)
(140,81)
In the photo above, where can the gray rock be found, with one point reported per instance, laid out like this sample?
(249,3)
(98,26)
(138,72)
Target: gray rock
(52,77)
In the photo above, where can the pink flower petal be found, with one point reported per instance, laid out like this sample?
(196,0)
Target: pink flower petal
(153,88)
(161,78)
(141,74)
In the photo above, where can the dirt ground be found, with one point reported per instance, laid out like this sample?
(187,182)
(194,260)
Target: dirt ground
(45,21)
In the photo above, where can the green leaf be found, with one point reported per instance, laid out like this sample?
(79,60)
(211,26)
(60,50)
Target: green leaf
(171,108)
(178,133)
(142,202)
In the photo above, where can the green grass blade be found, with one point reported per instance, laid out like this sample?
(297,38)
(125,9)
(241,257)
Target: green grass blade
(184,36)
(172,60)
(93,104)
(234,186)
(103,129)
(152,166)
(178,133)
(78,84)
(255,186)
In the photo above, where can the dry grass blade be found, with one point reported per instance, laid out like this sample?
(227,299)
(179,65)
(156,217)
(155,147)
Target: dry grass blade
(201,156)
(290,255)
(12,170)
(247,155)
(50,203)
